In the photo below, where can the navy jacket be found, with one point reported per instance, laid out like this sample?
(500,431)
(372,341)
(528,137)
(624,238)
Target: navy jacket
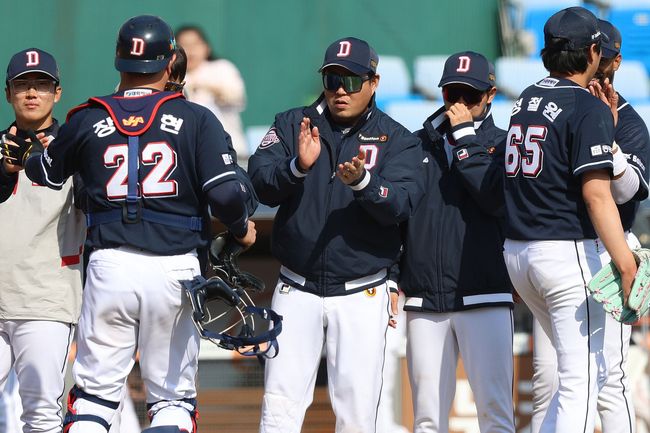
(453,255)
(331,239)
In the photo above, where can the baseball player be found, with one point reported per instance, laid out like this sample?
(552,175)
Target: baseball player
(452,271)
(629,187)
(40,289)
(561,214)
(344,175)
(152,163)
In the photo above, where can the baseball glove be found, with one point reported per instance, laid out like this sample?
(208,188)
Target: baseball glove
(16,149)
(223,253)
(605,287)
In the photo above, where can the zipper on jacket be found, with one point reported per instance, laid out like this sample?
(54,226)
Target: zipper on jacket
(442,153)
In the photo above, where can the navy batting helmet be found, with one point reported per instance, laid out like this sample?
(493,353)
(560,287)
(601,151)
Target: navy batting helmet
(145,44)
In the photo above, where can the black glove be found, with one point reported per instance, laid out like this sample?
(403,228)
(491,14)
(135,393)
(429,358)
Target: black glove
(17,149)
(223,253)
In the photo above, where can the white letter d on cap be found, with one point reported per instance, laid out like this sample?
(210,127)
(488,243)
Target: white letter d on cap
(344,49)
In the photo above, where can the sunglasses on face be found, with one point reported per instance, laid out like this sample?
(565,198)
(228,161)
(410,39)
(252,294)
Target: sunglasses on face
(42,86)
(350,83)
(470,95)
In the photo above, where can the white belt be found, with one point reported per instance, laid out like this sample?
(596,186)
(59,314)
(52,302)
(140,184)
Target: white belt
(349,285)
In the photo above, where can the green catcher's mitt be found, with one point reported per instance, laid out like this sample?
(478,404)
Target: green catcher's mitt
(605,287)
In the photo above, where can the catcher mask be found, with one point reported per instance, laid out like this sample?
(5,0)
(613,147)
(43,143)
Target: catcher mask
(217,305)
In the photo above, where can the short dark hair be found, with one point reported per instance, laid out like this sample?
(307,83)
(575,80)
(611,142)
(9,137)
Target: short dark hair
(179,67)
(557,58)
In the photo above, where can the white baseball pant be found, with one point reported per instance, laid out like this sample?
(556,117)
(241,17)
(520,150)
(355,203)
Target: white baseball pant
(133,300)
(352,329)
(614,400)
(551,277)
(38,352)
(483,338)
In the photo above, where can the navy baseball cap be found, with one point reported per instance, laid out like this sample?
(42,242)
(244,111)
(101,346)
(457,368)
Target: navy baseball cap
(469,68)
(353,54)
(32,60)
(611,48)
(576,25)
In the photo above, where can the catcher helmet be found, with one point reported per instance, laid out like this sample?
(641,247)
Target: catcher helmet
(145,44)
(213,301)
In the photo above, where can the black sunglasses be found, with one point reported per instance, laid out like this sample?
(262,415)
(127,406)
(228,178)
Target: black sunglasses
(469,94)
(350,83)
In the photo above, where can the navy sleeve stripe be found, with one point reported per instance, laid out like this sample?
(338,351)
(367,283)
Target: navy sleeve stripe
(605,163)
(47,178)
(227,173)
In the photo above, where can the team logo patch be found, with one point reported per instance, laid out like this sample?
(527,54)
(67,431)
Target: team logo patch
(426,160)
(284,289)
(227,158)
(133,121)
(462,154)
(549,82)
(371,291)
(491,150)
(596,150)
(383,191)
(269,139)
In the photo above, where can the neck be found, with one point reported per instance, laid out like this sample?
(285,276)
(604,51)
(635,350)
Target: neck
(35,125)
(151,81)
(581,79)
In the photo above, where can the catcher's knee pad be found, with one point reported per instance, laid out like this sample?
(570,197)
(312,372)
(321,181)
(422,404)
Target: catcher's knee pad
(88,413)
(181,413)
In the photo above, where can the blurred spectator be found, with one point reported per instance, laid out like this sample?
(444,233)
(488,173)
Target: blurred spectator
(216,84)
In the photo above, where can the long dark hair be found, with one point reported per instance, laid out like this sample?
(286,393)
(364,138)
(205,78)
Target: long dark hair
(199,31)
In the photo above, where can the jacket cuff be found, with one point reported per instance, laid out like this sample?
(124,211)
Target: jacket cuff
(463,133)
(361,184)
(295,170)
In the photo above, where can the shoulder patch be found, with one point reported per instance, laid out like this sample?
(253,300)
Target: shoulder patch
(269,139)
(549,82)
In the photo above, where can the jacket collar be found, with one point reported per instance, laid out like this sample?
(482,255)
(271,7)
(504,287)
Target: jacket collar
(437,124)
(318,112)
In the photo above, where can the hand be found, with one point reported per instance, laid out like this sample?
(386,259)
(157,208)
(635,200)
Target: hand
(250,237)
(392,320)
(308,144)
(459,113)
(515,297)
(607,94)
(11,152)
(628,273)
(350,172)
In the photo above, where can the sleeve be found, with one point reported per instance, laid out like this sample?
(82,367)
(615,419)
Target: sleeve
(272,167)
(391,194)
(593,135)
(481,169)
(59,161)
(8,182)
(214,161)
(633,139)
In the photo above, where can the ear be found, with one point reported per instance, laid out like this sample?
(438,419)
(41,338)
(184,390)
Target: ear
(8,94)
(168,68)
(594,54)
(374,82)
(617,61)
(57,94)
(491,94)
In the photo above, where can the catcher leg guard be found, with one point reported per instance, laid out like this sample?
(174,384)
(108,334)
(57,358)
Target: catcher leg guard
(88,413)
(180,413)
